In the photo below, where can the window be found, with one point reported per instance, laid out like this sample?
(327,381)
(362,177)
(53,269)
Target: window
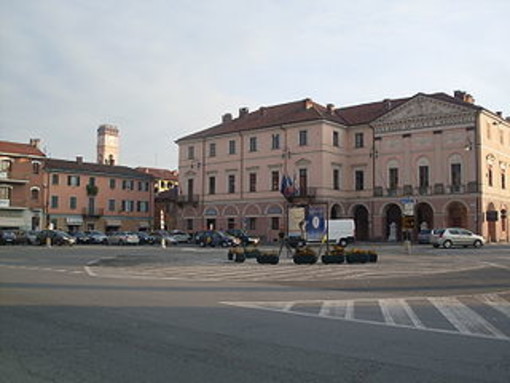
(212,185)
(73,180)
(111,205)
(5,165)
(303,137)
(503,180)
(253,182)
(36,167)
(54,201)
(128,205)
(189,224)
(490,177)
(191,152)
(393,178)
(253,144)
(336,139)
(359,180)
(252,223)
(358,140)
(423,174)
(303,181)
(140,185)
(112,183)
(231,183)
(275,180)
(73,202)
(142,206)
(5,193)
(146,187)
(212,149)
(190,188)
(34,194)
(92,181)
(275,141)
(55,179)
(128,185)
(456,178)
(275,223)
(231,223)
(232,147)
(336,179)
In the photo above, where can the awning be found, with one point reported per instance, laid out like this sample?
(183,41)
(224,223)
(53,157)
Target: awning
(113,222)
(74,221)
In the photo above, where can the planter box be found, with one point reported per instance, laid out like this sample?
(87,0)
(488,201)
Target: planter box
(305,259)
(333,258)
(356,258)
(270,259)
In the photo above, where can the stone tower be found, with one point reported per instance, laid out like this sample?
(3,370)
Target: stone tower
(108,145)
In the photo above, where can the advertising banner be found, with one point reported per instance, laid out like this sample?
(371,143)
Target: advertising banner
(315,223)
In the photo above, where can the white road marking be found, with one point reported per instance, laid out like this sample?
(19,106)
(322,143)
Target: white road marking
(463,318)
(497,302)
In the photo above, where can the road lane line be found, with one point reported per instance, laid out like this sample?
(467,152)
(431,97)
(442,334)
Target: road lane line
(496,302)
(464,319)
(398,311)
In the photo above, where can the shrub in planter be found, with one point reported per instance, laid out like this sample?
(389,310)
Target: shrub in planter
(251,252)
(360,256)
(236,254)
(268,258)
(305,255)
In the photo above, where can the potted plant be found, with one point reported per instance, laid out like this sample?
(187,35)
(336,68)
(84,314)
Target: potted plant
(360,256)
(236,254)
(335,255)
(268,257)
(305,255)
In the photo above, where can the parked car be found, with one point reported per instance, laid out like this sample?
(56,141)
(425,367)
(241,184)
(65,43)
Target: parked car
(145,238)
(424,236)
(123,238)
(216,238)
(244,237)
(97,237)
(454,236)
(57,237)
(180,236)
(81,237)
(31,237)
(7,237)
(161,235)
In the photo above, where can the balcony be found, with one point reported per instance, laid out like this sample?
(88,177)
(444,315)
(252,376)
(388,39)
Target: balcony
(305,196)
(188,199)
(92,212)
(5,177)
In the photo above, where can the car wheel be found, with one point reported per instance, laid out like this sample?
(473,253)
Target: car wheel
(477,243)
(447,244)
(342,242)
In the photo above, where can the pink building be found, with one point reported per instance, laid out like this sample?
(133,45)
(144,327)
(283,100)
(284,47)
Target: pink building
(443,157)
(90,196)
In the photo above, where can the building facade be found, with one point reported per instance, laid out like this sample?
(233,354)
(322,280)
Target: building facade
(21,185)
(89,196)
(440,156)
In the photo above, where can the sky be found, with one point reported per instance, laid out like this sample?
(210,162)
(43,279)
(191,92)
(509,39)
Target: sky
(160,70)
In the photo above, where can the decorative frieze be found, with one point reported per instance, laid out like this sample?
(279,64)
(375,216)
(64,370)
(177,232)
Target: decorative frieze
(423,123)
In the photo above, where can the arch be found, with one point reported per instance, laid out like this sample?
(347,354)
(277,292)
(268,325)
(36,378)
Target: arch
(274,210)
(211,211)
(252,210)
(424,216)
(361,219)
(456,214)
(393,222)
(231,211)
(335,211)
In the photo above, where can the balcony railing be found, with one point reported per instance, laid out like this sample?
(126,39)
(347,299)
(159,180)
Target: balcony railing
(437,189)
(92,212)
(185,199)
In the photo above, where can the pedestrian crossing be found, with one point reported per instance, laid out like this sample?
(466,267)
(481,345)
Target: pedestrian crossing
(482,315)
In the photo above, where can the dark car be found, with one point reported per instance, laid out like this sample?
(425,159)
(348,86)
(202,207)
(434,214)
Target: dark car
(215,238)
(145,238)
(7,237)
(244,237)
(97,237)
(56,237)
(81,238)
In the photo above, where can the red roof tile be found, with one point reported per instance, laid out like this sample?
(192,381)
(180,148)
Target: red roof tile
(18,148)
(163,174)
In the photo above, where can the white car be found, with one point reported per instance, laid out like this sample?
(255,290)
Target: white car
(123,238)
(455,236)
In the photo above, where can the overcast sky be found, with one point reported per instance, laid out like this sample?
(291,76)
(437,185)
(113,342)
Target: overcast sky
(160,70)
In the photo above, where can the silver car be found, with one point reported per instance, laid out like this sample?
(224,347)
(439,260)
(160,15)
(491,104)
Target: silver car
(454,236)
(123,238)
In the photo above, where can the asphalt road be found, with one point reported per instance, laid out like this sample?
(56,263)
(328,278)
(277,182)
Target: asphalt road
(188,315)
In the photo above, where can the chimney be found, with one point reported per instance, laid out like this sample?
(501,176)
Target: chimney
(243,112)
(79,160)
(499,113)
(331,108)
(463,96)
(227,117)
(35,142)
(387,104)
(308,103)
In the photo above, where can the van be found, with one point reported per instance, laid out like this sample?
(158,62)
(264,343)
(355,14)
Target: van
(340,231)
